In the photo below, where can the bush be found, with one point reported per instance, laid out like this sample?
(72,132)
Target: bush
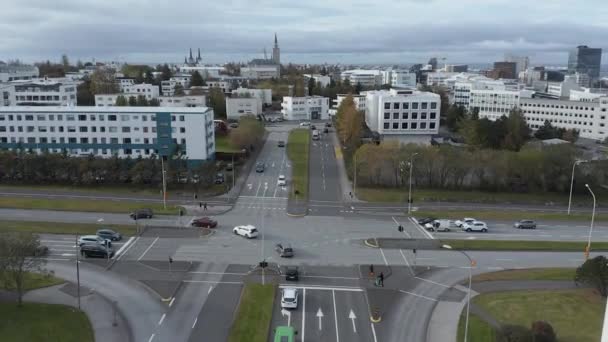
(516,333)
(543,332)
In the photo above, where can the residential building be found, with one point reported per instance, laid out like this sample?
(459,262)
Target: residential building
(305,108)
(265,95)
(6,94)
(10,73)
(225,86)
(323,80)
(183,79)
(124,82)
(167,88)
(183,101)
(399,78)
(366,78)
(406,115)
(585,60)
(261,72)
(205,71)
(521,62)
(150,91)
(506,70)
(438,78)
(110,131)
(239,106)
(42,92)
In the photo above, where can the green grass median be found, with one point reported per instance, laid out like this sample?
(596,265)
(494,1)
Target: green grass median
(521,245)
(63,228)
(32,281)
(479,330)
(34,322)
(557,273)
(252,322)
(297,150)
(510,215)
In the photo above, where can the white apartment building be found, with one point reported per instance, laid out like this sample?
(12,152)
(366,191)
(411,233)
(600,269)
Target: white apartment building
(438,78)
(183,101)
(183,79)
(366,78)
(305,108)
(167,88)
(225,86)
(10,73)
(124,82)
(589,118)
(40,92)
(323,80)
(492,103)
(205,71)
(403,113)
(399,78)
(261,72)
(265,95)
(150,91)
(239,106)
(108,131)
(563,89)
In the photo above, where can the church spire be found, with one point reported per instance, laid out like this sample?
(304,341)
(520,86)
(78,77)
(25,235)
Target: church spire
(199,55)
(276,41)
(190,53)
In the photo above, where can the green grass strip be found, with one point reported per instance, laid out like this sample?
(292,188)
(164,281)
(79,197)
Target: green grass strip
(252,323)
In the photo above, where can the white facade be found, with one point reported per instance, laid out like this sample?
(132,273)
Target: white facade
(403,78)
(183,101)
(225,86)
(584,95)
(109,131)
(265,95)
(167,88)
(41,92)
(150,91)
(183,79)
(124,82)
(359,100)
(305,108)
(589,118)
(562,89)
(239,106)
(366,78)
(10,73)
(261,72)
(205,71)
(324,80)
(398,113)
(438,78)
(493,104)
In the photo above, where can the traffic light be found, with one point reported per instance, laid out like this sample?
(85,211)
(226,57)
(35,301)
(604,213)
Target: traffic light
(400,228)
(414,250)
(263,264)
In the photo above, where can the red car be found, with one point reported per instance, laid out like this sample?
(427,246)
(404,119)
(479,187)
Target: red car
(204,222)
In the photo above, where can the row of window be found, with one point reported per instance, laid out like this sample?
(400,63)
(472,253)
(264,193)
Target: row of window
(69,140)
(411,125)
(84,129)
(580,123)
(39,98)
(83,117)
(576,115)
(406,116)
(406,105)
(542,105)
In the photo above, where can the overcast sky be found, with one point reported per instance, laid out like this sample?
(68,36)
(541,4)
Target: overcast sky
(315,31)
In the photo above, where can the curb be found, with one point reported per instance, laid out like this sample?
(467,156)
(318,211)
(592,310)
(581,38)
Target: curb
(296,215)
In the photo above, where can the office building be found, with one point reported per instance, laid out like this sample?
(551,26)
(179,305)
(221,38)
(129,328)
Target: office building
(124,82)
(456,68)
(493,103)
(521,62)
(149,91)
(366,78)
(563,89)
(239,106)
(39,92)
(110,131)
(585,60)
(305,108)
(505,70)
(265,95)
(399,78)
(438,78)
(205,71)
(10,73)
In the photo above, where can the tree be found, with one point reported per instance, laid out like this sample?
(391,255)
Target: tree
(358,88)
(104,82)
(217,101)
(19,255)
(594,272)
(149,77)
(121,101)
(154,103)
(197,80)
(516,333)
(543,332)
(178,90)
(249,132)
(139,79)
(132,101)
(518,131)
(570,135)
(142,101)
(83,94)
(454,115)
(311,85)
(165,72)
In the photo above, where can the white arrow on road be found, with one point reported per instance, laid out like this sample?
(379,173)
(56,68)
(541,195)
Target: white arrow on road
(249,186)
(352,318)
(320,316)
(67,254)
(288,314)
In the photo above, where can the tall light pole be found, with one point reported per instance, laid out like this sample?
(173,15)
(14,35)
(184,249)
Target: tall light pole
(78,270)
(162,164)
(409,197)
(472,264)
(263,257)
(591,228)
(572,182)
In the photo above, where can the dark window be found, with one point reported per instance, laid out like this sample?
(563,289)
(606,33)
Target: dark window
(182,118)
(433,115)
(387,115)
(423,125)
(126,140)
(423,116)
(395,125)
(404,116)
(433,105)
(396,105)
(386,125)
(395,116)
(406,105)
(182,129)
(126,129)
(414,125)
(432,125)
(111,117)
(83,129)
(424,105)
(414,105)
(387,105)
(82,117)
(414,116)
(404,125)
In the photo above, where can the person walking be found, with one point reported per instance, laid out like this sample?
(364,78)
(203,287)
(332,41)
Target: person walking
(205,206)
(381,276)
(200,204)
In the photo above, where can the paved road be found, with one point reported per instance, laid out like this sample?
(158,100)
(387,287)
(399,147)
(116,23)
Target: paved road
(65,247)
(324,186)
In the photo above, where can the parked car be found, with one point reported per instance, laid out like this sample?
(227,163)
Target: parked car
(247,231)
(285,334)
(525,224)
(326,130)
(284,250)
(109,234)
(219,178)
(292,273)
(438,225)
(98,251)
(282,181)
(475,226)
(313,127)
(204,222)
(229,167)
(41,250)
(328,124)
(304,124)
(281,143)
(289,299)
(259,167)
(460,223)
(141,213)
(234,125)
(425,220)
(93,240)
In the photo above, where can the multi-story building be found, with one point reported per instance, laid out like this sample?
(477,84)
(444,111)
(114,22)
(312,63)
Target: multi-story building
(585,60)
(10,73)
(493,103)
(225,86)
(563,89)
(205,71)
(238,106)
(183,79)
(167,87)
(438,78)
(403,114)
(265,95)
(399,78)
(6,94)
(183,101)
(305,108)
(521,62)
(261,72)
(366,78)
(150,91)
(40,92)
(506,70)
(585,95)
(124,82)
(110,131)
(323,80)
(456,68)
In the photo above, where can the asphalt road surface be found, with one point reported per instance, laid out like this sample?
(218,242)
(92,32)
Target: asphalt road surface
(323,171)
(64,247)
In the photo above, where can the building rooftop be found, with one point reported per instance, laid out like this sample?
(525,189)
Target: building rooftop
(114,109)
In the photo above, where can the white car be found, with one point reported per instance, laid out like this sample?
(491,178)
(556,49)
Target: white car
(304,124)
(92,240)
(438,225)
(460,223)
(247,231)
(282,181)
(289,300)
(475,226)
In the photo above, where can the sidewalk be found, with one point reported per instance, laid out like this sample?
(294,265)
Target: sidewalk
(101,312)
(345,183)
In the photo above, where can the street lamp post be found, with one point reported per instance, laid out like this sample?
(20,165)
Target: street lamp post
(78,270)
(162,164)
(409,197)
(572,183)
(263,257)
(591,228)
(471,265)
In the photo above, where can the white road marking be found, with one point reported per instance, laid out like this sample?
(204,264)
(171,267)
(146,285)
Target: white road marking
(162,318)
(171,303)
(67,254)
(288,314)
(128,249)
(407,263)
(504,259)
(147,249)
(194,324)
(304,313)
(213,282)
(404,231)
(383,257)
(352,317)
(419,227)
(374,332)
(151,338)
(325,288)
(417,295)
(433,282)
(320,317)
(126,245)
(210,288)
(333,293)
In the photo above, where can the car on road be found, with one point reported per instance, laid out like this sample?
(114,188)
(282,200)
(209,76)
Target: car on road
(282,181)
(109,234)
(281,143)
(284,250)
(438,225)
(475,226)
(285,334)
(525,224)
(247,231)
(326,130)
(289,299)
(141,213)
(259,167)
(98,251)
(93,240)
(41,251)
(328,124)
(460,223)
(425,220)
(229,167)
(292,273)
(219,178)
(204,222)
(315,134)
(234,125)
(304,124)
(313,127)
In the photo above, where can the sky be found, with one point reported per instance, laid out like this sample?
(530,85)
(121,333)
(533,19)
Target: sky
(311,31)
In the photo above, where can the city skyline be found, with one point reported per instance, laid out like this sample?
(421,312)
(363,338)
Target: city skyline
(314,32)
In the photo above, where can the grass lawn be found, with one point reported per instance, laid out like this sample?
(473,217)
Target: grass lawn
(35,322)
(37,280)
(297,151)
(222,144)
(83,205)
(252,323)
(514,245)
(479,330)
(576,315)
(63,228)
(511,215)
(422,195)
(528,274)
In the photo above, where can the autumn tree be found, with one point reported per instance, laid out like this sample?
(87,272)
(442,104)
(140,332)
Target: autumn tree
(518,131)
(197,80)
(104,82)
(594,272)
(132,101)
(249,132)
(350,123)
(121,101)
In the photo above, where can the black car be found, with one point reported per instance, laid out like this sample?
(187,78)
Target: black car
(219,178)
(109,234)
(41,251)
(328,124)
(426,220)
(326,130)
(291,273)
(284,250)
(229,167)
(96,251)
(281,143)
(141,213)
(313,127)
(259,167)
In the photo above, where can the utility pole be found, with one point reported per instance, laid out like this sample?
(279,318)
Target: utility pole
(78,270)
(162,163)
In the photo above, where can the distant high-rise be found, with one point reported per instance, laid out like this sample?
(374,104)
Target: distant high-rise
(521,62)
(276,52)
(504,70)
(585,60)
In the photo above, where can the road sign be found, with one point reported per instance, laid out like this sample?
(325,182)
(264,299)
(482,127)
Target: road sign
(320,316)
(352,318)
